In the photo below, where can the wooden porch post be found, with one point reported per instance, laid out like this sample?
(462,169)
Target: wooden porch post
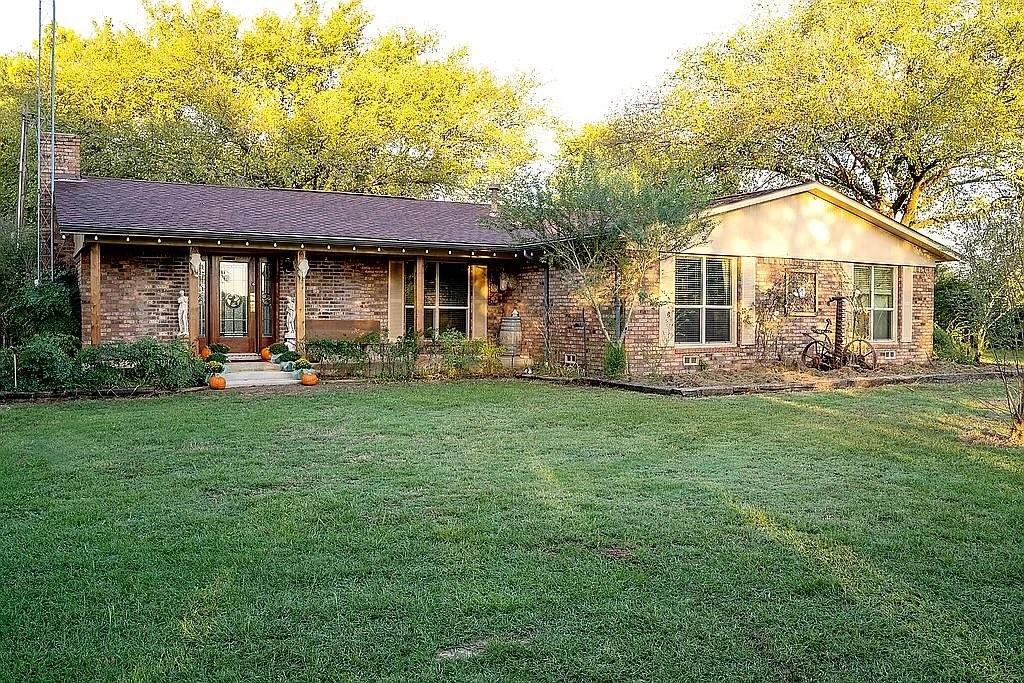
(420,298)
(94,294)
(193,299)
(300,302)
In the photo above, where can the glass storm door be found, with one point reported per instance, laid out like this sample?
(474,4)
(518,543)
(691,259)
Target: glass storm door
(233,304)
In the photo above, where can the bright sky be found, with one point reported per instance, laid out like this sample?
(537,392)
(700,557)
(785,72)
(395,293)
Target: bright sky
(588,55)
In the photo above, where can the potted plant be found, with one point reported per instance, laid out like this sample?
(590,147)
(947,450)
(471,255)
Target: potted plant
(214,377)
(276,349)
(220,348)
(301,367)
(287,360)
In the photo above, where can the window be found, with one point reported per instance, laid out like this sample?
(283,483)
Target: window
(874,301)
(704,299)
(445,297)
(203,284)
(267,298)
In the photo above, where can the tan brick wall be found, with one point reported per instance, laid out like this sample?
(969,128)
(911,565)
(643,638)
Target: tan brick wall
(648,357)
(139,291)
(345,288)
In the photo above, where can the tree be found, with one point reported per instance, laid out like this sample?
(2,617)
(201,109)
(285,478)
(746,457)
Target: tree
(309,100)
(992,267)
(914,107)
(607,228)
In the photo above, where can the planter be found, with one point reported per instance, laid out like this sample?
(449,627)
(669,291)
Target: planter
(288,366)
(217,382)
(274,357)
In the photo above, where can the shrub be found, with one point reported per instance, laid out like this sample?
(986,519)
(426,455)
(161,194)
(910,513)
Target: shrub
(277,348)
(952,346)
(287,357)
(146,362)
(220,348)
(6,369)
(46,362)
(614,360)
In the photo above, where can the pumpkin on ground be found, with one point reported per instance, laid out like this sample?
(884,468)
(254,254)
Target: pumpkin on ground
(217,382)
(309,379)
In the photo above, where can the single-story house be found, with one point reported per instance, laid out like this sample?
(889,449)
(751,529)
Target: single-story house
(246,267)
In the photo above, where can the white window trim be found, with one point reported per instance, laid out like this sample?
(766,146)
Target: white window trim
(704,286)
(871,308)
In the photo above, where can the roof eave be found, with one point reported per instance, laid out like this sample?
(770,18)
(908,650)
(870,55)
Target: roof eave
(201,234)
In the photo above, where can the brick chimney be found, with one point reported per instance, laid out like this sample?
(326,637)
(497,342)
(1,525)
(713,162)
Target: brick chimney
(64,152)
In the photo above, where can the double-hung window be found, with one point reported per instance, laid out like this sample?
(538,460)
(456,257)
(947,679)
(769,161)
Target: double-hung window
(445,297)
(703,300)
(874,298)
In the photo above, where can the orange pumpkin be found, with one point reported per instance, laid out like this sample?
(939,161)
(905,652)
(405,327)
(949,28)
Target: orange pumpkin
(204,352)
(218,382)
(265,353)
(309,379)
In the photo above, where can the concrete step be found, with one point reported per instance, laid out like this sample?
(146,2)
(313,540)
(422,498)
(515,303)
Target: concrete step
(243,356)
(250,366)
(277,377)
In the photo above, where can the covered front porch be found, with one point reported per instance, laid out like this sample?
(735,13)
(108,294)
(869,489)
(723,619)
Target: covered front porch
(249,294)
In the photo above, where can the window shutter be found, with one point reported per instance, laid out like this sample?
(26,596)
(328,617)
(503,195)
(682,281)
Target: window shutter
(667,297)
(396,299)
(906,304)
(478,302)
(748,296)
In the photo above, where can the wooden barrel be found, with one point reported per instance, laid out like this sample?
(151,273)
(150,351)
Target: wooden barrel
(510,334)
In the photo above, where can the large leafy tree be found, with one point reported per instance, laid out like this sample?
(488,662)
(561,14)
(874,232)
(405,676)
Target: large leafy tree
(915,107)
(607,227)
(309,100)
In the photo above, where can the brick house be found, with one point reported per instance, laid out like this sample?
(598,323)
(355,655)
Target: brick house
(246,267)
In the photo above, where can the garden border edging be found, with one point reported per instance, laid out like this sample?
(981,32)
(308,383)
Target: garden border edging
(825,384)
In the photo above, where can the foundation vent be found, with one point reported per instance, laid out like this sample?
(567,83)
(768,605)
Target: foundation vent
(691,361)
(888,354)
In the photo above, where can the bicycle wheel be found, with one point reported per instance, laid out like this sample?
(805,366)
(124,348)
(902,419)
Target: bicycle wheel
(860,353)
(814,355)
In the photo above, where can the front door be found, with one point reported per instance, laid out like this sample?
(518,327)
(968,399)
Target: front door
(233,303)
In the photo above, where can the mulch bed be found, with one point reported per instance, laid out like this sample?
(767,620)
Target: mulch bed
(775,380)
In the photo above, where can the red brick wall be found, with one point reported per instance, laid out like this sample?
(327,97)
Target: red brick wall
(66,164)
(139,291)
(648,357)
(347,288)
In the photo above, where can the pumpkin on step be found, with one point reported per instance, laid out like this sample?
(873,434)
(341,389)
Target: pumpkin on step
(205,352)
(309,379)
(265,353)
(217,382)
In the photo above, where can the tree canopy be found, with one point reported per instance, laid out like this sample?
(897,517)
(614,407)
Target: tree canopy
(914,107)
(608,227)
(309,100)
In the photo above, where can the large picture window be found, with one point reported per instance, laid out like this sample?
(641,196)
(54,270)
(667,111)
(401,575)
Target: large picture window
(704,300)
(445,297)
(874,298)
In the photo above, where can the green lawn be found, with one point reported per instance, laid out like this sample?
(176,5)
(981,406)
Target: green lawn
(559,533)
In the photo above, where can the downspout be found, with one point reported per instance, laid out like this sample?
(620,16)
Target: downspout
(547,314)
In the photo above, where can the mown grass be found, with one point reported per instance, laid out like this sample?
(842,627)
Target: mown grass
(558,533)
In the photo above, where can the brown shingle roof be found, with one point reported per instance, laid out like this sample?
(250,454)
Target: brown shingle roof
(137,207)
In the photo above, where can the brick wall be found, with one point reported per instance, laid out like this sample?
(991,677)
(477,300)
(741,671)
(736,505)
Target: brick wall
(648,357)
(139,291)
(346,288)
(67,163)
